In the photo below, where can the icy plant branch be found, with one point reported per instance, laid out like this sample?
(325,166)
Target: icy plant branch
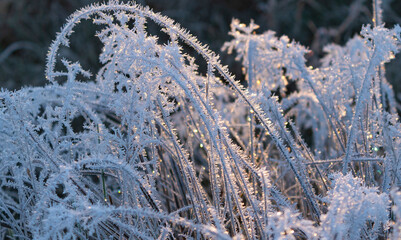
(153,146)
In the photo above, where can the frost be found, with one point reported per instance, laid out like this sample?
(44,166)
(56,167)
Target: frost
(151,148)
(355,211)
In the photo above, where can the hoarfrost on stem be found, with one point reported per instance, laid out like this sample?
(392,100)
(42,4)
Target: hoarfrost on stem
(151,148)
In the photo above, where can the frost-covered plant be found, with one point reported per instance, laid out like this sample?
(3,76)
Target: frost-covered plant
(151,148)
(352,205)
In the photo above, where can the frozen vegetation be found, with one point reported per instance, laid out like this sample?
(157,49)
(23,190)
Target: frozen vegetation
(164,143)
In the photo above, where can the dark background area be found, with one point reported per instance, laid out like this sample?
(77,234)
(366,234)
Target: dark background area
(27,28)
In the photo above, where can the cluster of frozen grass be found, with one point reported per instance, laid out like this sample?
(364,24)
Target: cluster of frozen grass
(153,146)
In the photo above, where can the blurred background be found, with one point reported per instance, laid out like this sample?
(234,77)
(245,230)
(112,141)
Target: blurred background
(27,28)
